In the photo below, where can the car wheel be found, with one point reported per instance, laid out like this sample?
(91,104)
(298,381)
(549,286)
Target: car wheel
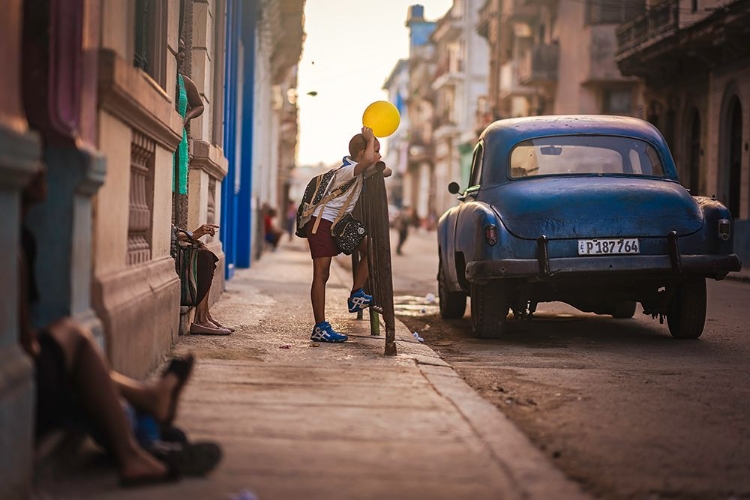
(452,304)
(624,309)
(489,309)
(686,313)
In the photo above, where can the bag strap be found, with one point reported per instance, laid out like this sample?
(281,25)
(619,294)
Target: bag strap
(334,194)
(345,205)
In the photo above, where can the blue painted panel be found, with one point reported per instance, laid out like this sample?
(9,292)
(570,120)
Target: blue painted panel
(244,202)
(228,232)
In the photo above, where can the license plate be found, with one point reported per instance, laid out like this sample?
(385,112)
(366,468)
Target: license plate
(608,246)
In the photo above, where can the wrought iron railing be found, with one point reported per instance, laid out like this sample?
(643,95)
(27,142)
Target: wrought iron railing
(660,20)
(372,209)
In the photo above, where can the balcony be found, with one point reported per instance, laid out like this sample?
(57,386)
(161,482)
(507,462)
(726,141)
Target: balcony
(510,86)
(663,44)
(538,65)
(520,11)
(448,72)
(646,30)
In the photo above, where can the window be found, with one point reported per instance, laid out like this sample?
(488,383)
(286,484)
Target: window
(476,165)
(150,39)
(617,101)
(693,5)
(142,151)
(595,154)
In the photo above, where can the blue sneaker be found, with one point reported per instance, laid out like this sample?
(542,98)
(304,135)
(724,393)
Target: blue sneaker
(324,332)
(358,301)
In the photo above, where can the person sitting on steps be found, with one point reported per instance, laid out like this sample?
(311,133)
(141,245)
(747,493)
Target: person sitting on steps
(74,384)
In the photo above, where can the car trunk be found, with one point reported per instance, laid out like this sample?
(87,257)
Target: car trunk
(594,207)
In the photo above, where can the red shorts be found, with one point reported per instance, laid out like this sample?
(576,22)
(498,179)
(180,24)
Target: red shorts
(321,243)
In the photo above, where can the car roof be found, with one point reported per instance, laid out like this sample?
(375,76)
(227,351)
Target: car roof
(501,136)
(518,129)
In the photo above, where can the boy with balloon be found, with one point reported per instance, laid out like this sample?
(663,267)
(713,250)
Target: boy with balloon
(380,119)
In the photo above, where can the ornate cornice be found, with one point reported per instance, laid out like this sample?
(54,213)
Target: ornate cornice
(138,101)
(209,158)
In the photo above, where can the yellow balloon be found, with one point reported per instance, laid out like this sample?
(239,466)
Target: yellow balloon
(382,117)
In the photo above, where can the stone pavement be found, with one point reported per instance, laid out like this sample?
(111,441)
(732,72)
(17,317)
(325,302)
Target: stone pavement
(338,421)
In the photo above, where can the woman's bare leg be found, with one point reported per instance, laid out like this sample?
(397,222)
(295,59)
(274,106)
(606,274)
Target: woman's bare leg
(201,312)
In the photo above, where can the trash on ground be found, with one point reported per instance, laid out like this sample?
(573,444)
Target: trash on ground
(423,310)
(416,336)
(316,344)
(430,298)
(285,346)
(244,495)
(426,327)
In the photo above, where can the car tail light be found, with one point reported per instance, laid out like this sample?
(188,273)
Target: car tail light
(724,229)
(490,233)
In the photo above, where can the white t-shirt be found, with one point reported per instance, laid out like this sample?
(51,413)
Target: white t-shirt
(344,174)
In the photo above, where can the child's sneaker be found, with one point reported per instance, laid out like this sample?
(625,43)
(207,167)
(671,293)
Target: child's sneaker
(324,332)
(358,301)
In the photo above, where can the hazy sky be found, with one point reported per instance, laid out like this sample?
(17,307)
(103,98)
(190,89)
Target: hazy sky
(350,49)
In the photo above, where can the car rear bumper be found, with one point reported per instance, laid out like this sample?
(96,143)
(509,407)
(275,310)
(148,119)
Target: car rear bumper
(716,266)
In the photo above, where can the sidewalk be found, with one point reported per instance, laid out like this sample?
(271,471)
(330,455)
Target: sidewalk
(334,421)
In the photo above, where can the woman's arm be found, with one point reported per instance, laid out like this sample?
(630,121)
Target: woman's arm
(195,103)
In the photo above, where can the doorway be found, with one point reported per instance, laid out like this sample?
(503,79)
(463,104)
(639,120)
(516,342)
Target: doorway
(733,156)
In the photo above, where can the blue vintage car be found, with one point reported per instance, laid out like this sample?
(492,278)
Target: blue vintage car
(585,210)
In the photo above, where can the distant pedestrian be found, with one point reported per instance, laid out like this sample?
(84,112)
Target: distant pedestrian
(342,193)
(291,218)
(405,220)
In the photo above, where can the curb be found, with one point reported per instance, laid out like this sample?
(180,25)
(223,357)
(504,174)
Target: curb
(742,276)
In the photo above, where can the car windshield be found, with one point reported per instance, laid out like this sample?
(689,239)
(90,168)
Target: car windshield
(584,154)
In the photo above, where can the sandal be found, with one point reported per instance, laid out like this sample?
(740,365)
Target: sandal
(181,368)
(219,325)
(188,459)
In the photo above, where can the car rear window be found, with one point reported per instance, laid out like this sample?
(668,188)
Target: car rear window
(585,154)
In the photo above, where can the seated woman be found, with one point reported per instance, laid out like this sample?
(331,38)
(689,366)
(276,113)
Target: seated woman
(204,323)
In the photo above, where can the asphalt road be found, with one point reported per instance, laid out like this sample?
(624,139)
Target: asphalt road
(619,405)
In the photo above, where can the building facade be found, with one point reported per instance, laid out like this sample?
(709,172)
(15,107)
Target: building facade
(91,94)
(264,45)
(20,156)
(397,87)
(418,188)
(557,57)
(694,57)
(460,80)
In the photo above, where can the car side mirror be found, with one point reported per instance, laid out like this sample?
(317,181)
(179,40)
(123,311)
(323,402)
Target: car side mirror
(453,188)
